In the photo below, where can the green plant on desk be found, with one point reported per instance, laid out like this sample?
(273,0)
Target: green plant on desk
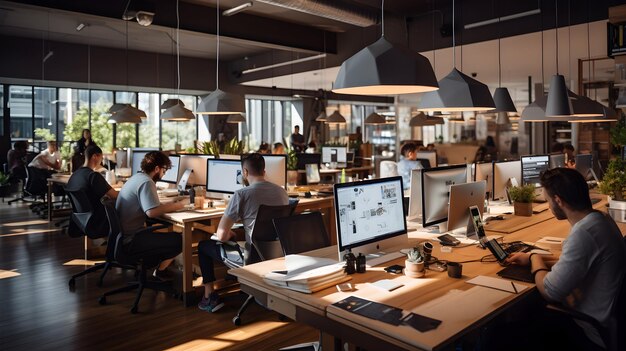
(292,160)
(414,255)
(522,197)
(614,180)
(414,264)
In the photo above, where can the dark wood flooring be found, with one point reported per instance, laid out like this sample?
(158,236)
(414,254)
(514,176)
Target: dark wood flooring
(38,312)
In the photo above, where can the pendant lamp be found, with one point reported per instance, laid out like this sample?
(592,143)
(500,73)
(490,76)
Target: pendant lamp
(236,118)
(336,118)
(558,103)
(116,107)
(457,91)
(501,97)
(502,117)
(177,113)
(171,102)
(321,117)
(383,68)
(375,118)
(128,114)
(220,102)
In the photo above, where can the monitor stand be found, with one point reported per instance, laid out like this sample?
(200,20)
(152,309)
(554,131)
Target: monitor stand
(380,251)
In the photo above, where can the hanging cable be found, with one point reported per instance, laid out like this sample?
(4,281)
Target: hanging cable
(382,18)
(217,63)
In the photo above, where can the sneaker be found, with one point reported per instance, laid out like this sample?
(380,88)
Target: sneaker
(212,304)
(162,276)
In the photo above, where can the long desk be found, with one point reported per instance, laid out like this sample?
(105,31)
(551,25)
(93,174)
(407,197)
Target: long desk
(462,307)
(186,221)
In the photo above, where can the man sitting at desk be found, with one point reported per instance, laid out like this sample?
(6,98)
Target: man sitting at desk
(139,200)
(588,275)
(243,206)
(48,159)
(408,163)
(93,185)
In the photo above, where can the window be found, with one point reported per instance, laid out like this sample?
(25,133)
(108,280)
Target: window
(125,133)
(268,121)
(179,132)
(45,114)
(21,107)
(149,128)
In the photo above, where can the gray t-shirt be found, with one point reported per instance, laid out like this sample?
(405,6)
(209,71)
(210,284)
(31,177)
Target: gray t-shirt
(244,204)
(588,275)
(137,196)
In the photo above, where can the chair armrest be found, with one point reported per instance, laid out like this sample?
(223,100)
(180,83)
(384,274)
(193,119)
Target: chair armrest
(227,242)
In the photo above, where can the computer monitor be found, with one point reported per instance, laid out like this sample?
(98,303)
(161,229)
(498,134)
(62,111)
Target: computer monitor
(171,176)
(197,163)
(462,196)
(338,154)
(370,215)
(557,160)
(431,156)
(436,184)
(136,155)
(312,173)
(502,172)
(584,164)
(415,196)
(532,167)
(305,159)
(276,169)
(223,176)
(350,157)
(484,171)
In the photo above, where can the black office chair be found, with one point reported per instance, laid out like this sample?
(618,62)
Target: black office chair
(34,185)
(301,233)
(614,334)
(264,246)
(90,222)
(424,162)
(141,264)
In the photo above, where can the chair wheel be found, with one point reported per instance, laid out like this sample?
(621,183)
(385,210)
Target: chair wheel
(133,310)
(102,300)
(237,320)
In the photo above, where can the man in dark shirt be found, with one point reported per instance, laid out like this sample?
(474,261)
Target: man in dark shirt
(95,187)
(297,140)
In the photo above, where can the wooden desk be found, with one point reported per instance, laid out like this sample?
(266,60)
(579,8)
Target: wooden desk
(187,220)
(416,295)
(61,180)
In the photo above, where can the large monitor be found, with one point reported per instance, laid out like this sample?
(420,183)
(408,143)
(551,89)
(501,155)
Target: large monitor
(136,155)
(305,159)
(462,197)
(436,184)
(533,167)
(431,156)
(584,165)
(223,176)
(557,160)
(484,171)
(370,215)
(276,169)
(197,163)
(502,172)
(172,174)
(338,154)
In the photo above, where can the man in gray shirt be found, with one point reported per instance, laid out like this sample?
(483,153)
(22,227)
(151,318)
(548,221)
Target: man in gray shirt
(243,207)
(588,275)
(139,200)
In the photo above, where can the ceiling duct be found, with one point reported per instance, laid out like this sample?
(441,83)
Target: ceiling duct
(330,9)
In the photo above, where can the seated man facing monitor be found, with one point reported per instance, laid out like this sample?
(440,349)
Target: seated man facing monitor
(408,163)
(93,185)
(587,277)
(48,159)
(243,206)
(137,201)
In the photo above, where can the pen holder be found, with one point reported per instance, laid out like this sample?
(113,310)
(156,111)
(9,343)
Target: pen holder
(455,270)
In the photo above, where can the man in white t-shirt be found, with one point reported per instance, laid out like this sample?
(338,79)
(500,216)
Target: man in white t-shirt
(48,159)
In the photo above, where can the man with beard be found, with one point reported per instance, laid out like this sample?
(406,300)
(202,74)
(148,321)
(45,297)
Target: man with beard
(139,200)
(588,275)
(243,207)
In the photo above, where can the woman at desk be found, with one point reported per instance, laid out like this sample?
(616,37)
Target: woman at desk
(408,163)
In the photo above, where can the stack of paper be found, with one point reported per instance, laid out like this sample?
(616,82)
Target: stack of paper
(307,274)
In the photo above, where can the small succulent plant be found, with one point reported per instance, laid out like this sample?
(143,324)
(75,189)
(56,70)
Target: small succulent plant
(414,255)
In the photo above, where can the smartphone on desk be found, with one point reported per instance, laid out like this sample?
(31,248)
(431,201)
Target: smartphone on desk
(448,240)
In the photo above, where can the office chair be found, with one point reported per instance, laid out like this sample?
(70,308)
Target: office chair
(84,221)
(141,264)
(614,334)
(34,185)
(264,246)
(388,169)
(424,162)
(301,233)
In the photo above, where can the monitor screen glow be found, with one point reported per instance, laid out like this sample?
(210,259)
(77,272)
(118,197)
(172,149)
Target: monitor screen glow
(223,176)
(171,176)
(532,167)
(337,154)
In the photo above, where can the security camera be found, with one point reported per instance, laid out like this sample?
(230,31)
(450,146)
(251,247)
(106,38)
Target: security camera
(145,18)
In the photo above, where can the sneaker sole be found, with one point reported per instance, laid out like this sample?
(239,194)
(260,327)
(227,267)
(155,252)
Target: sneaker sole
(217,307)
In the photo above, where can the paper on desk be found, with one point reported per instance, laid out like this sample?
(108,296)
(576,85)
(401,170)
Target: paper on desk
(497,283)
(495,210)
(300,267)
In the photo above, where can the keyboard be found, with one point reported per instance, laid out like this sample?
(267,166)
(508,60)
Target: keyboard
(517,246)
(168,192)
(521,273)
(382,258)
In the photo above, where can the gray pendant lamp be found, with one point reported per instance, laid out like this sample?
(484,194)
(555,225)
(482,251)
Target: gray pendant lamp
(383,68)
(536,112)
(321,117)
(220,102)
(128,114)
(177,113)
(116,107)
(457,91)
(502,118)
(558,104)
(171,102)
(336,118)
(501,97)
(236,118)
(375,118)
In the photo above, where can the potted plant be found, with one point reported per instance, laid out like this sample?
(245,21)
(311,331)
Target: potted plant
(614,185)
(414,263)
(292,167)
(522,197)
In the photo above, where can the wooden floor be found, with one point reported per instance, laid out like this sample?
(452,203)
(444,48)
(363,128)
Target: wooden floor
(37,310)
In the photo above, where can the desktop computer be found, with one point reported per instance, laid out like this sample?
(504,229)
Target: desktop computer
(415,196)
(305,159)
(484,171)
(533,167)
(557,160)
(335,154)
(223,176)
(136,155)
(171,176)
(502,172)
(276,169)
(370,217)
(436,183)
(462,197)
(197,163)
(430,156)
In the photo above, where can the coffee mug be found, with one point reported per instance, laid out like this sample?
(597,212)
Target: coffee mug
(455,270)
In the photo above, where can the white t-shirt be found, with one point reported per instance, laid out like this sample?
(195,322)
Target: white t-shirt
(45,155)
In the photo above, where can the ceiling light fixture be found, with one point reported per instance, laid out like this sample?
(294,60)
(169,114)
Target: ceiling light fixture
(558,100)
(220,102)
(236,118)
(235,10)
(457,91)
(335,118)
(80,27)
(144,18)
(383,68)
(171,102)
(375,118)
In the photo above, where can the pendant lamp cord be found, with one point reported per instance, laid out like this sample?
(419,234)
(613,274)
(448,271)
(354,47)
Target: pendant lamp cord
(588,48)
(453,37)
(434,51)
(556,29)
(217,61)
(499,52)
(543,79)
(177,54)
(382,18)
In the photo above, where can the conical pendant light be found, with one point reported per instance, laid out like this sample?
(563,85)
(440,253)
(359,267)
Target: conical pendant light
(177,112)
(558,104)
(336,118)
(116,107)
(501,97)
(321,117)
(375,118)
(383,68)
(457,91)
(128,114)
(220,102)
(171,102)
(236,118)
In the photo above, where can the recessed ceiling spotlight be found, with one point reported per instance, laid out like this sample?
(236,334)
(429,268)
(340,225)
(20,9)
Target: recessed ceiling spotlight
(81,26)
